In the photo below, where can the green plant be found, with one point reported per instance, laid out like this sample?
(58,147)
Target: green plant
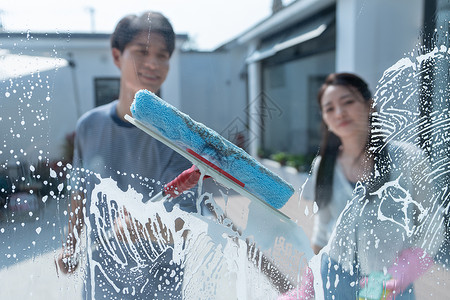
(301,162)
(280,157)
(296,161)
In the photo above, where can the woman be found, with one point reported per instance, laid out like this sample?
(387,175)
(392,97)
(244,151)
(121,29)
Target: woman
(346,103)
(375,209)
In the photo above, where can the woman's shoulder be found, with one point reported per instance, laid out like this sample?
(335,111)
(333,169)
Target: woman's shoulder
(405,150)
(408,158)
(315,164)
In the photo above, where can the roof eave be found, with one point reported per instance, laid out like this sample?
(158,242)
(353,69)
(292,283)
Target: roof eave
(291,14)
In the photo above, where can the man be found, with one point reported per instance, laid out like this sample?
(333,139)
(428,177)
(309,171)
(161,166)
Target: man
(135,262)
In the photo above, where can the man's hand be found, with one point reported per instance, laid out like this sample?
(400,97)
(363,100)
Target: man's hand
(66,262)
(129,229)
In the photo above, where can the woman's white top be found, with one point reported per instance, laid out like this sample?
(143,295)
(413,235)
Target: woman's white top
(372,230)
(325,219)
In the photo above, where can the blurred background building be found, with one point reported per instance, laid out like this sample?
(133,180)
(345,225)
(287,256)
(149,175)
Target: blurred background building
(258,90)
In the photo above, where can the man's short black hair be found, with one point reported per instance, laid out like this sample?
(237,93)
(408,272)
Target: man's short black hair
(132,25)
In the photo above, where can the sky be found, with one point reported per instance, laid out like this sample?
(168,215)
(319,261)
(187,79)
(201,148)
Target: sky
(210,23)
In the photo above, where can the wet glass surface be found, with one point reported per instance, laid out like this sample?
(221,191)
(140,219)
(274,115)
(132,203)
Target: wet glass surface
(215,252)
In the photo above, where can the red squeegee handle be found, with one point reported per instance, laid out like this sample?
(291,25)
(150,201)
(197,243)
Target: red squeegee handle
(183,182)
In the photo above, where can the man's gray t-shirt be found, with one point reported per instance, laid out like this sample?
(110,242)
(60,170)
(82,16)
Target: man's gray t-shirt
(106,145)
(111,147)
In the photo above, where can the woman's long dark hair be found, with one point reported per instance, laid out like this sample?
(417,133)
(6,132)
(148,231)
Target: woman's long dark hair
(330,144)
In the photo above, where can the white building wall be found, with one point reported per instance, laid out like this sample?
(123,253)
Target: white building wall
(59,98)
(35,116)
(212,91)
(70,90)
(374,35)
(91,64)
(171,88)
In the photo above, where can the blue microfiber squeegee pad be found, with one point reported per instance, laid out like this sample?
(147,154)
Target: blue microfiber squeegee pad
(189,134)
